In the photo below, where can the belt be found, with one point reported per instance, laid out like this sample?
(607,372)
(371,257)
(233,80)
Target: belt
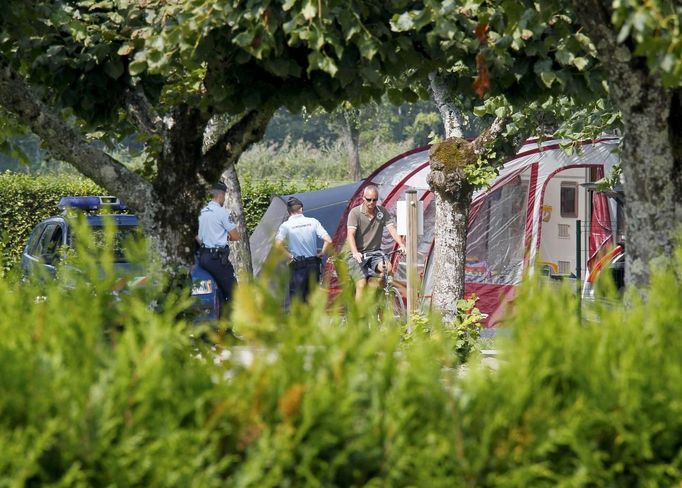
(303,260)
(215,250)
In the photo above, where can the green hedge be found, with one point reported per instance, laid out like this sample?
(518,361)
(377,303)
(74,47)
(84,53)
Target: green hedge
(101,393)
(257,195)
(25,200)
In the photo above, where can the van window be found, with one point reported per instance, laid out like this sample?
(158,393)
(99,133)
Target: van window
(569,199)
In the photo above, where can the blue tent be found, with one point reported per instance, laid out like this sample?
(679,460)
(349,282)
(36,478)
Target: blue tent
(326,205)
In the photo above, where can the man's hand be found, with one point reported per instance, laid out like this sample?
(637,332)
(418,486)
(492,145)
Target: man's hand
(358,257)
(403,250)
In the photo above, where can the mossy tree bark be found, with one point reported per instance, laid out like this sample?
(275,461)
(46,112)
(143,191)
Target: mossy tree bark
(240,251)
(453,198)
(453,192)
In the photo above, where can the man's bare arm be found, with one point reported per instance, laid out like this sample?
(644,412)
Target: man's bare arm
(353,246)
(398,239)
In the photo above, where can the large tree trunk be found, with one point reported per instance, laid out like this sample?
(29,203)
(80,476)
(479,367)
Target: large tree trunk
(453,198)
(350,131)
(240,251)
(650,161)
(453,120)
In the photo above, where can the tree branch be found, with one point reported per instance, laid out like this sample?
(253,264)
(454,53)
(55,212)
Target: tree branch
(141,113)
(67,143)
(230,145)
(452,117)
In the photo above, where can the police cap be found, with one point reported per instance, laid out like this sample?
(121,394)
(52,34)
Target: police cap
(219,186)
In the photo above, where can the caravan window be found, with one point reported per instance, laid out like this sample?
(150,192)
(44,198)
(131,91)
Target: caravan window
(569,199)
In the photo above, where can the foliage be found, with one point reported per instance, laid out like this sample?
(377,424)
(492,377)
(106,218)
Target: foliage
(258,194)
(25,200)
(656,29)
(299,161)
(97,391)
(465,331)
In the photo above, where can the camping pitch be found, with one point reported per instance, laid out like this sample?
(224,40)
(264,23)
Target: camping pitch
(532,215)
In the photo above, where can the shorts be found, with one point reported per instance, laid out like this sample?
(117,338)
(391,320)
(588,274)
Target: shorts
(368,268)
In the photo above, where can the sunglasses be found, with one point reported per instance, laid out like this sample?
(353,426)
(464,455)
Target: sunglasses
(371,199)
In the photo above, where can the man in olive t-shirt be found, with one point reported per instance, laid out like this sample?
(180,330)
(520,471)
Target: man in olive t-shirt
(366,224)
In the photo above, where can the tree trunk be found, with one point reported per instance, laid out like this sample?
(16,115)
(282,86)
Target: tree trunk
(168,207)
(453,198)
(240,251)
(650,161)
(453,120)
(350,131)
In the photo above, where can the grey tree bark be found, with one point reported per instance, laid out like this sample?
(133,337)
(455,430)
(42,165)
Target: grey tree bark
(167,206)
(240,251)
(453,192)
(651,156)
(452,200)
(350,132)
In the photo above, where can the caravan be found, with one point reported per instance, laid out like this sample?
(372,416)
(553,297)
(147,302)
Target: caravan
(536,213)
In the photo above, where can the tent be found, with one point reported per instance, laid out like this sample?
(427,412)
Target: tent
(327,206)
(537,212)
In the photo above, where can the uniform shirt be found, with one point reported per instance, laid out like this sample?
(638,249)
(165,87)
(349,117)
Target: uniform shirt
(369,230)
(301,233)
(214,225)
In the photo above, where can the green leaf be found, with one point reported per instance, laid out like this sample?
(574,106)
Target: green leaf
(580,62)
(114,68)
(309,11)
(137,67)
(403,22)
(548,77)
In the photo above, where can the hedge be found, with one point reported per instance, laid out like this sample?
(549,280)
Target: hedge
(25,200)
(102,393)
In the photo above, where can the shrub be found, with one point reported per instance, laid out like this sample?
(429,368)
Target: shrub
(25,200)
(99,392)
(257,194)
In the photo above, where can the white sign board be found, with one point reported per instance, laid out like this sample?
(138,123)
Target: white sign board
(401,217)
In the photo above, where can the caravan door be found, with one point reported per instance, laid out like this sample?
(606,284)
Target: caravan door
(564,203)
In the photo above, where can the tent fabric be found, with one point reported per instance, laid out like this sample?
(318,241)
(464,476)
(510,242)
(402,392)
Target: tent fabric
(505,221)
(326,205)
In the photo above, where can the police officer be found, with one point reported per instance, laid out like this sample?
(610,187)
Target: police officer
(215,230)
(300,234)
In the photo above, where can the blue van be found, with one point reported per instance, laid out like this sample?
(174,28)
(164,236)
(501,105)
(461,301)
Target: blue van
(48,239)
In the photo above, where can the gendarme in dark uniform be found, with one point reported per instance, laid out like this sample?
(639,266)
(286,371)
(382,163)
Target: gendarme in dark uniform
(300,233)
(215,230)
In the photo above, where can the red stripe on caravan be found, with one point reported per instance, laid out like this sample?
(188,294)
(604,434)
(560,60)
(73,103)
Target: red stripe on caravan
(532,186)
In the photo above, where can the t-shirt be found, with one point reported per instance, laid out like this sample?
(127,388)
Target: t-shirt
(369,230)
(301,234)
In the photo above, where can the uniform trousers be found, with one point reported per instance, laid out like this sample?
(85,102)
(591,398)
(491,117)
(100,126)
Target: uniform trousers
(303,272)
(217,263)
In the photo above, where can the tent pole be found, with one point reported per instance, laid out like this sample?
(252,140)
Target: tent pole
(412,229)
